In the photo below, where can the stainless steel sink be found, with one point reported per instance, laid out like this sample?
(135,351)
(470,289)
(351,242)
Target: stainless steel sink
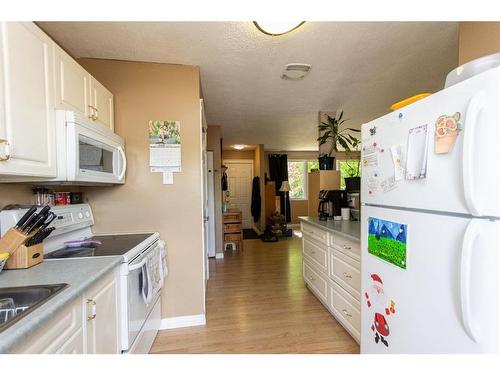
(25,299)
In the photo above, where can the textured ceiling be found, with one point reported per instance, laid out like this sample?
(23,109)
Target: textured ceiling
(361,67)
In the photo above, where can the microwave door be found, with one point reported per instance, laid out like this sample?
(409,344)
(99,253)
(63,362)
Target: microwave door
(97,158)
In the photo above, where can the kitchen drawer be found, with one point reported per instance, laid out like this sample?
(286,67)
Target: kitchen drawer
(316,282)
(345,309)
(346,246)
(314,232)
(232,237)
(315,252)
(345,271)
(232,227)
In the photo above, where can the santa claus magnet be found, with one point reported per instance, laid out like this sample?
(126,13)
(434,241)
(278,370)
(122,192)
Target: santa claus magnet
(381,308)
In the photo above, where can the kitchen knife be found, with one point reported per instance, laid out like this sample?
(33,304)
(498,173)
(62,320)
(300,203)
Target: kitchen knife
(39,236)
(36,224)
(25,217)
(33,218)
(50,219)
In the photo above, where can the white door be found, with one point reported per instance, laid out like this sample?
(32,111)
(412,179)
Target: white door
(72,84)
(239,180)
(466,179)
(205,210)
(27,125)
(102,101)
(444,300)
(210,204)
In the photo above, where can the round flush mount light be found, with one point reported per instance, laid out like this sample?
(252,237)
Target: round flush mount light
(275,28)
(238,147)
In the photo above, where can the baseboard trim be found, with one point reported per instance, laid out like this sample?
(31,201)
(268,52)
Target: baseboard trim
(219,255)
(257,230)
(183,321)
(294,226)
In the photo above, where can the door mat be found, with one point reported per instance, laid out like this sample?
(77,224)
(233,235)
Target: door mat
(249,234)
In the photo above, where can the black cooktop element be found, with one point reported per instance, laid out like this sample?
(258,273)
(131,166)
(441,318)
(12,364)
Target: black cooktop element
(116,244)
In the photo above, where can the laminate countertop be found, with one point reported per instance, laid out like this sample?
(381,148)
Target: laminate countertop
(348,229)
(78,273)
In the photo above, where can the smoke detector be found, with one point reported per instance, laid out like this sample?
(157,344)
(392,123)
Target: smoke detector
(295,71)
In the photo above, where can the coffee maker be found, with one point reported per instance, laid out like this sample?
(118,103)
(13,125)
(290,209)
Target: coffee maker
(330,204)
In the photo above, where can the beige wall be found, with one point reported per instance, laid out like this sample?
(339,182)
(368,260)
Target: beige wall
(213,144)
(10,194)
(238,154)
(145,91)
(298,208)
(477,39)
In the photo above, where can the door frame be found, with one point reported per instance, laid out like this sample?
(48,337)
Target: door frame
(243,161)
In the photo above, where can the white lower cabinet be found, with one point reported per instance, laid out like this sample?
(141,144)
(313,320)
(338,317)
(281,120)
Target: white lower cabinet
(331,270)
(101,327)
(88,325)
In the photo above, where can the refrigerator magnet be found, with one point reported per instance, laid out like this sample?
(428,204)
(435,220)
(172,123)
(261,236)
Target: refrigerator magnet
(387,241)
(381,308)
(447,129)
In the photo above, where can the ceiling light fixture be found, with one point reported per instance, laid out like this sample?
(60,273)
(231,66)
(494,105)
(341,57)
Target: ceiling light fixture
(295,71)
(275,28)
(238,147)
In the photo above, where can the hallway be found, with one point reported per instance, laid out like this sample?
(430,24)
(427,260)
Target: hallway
(257,303)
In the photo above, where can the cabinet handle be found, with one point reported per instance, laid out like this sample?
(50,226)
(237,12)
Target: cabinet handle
(311,278)
(346,247)
(347,276)
(346,313)
(6,150)
(93,309)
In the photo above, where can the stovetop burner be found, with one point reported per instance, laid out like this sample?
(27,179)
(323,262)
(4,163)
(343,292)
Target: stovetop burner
(115,244)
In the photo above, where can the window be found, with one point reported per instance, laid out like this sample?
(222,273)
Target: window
(297,177)
(347,169)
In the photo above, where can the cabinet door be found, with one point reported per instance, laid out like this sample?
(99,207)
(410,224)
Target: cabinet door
(102,317)
(28,122)
(74,345)
(102,100)
(72,84)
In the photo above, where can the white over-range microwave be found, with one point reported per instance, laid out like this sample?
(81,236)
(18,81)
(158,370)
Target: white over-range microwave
(88,153)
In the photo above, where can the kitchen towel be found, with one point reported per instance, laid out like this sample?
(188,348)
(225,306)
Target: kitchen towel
(154,271)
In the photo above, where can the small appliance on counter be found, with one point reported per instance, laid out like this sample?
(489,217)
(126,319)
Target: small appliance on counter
(331,203)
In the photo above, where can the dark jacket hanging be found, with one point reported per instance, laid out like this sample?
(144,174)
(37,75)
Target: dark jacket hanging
(256,200)
(278,172)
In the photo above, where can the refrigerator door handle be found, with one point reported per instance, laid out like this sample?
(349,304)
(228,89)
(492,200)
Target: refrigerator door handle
(471,234)
(474,108)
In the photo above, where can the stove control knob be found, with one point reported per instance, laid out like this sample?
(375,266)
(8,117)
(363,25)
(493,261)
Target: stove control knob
(80,215)
(87,214)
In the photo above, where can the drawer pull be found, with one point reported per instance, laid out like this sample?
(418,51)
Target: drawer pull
(6,148)
(346,313)
(347,275)
(346,247)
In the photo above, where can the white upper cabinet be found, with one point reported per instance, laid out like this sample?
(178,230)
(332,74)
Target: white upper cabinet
(27,118)
(72,84)
(77,90)
(102,104)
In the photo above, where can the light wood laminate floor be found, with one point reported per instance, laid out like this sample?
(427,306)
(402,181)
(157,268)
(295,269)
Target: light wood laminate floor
(257,303)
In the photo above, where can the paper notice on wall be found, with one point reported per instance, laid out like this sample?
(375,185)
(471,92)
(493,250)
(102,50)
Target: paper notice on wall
(416,153)
(398,158)
(168,178)
(164,143)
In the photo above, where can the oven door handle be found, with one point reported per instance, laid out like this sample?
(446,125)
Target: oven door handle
(138,265)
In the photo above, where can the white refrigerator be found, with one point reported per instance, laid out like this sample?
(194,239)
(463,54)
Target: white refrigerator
(430,223)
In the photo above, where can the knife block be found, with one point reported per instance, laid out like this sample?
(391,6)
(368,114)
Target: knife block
(25,257)
(11,241)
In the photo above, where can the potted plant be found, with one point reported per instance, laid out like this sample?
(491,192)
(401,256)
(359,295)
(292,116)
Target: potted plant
(331,132)
(352,169)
